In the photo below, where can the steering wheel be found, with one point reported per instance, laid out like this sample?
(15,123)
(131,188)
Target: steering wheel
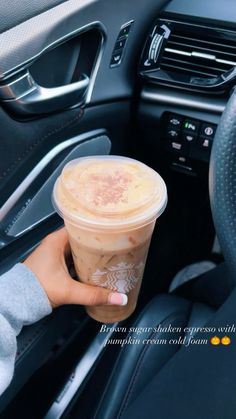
(222,183)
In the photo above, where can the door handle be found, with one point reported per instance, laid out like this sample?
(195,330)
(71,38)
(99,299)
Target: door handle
(24,96)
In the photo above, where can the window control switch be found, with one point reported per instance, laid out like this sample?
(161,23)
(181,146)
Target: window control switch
(120,45)
(116,58)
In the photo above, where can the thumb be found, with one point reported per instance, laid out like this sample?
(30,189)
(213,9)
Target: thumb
(90,295)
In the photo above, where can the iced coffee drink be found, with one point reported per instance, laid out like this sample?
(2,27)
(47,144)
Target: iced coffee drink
(110,205)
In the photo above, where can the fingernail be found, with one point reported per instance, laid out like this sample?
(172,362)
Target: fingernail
(117,299)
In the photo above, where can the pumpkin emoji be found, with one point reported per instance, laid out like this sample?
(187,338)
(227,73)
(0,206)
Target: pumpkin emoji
(226,340)
(215,340)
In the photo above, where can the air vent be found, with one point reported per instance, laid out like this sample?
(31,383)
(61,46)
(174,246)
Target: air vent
(190,55)
(207,56)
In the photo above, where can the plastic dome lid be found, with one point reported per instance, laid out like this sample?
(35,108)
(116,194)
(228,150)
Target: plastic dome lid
(109,190)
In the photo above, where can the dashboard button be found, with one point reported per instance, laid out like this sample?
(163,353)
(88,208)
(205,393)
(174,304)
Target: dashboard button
(116,58)
(174,120)
(176,147)
(120,44)
(208,130)
(125,30)
(173,133)
(188,137)
(191,125)
(205,143)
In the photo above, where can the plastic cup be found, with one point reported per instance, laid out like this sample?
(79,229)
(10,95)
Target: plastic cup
(110,205)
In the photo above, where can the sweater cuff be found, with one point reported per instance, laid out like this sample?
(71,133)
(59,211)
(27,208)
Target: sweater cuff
(22,288)
(35,291)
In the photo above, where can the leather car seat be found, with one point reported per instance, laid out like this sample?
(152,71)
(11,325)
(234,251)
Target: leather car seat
(138,363)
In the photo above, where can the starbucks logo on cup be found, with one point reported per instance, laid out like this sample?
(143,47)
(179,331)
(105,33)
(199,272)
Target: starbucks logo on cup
(122,277)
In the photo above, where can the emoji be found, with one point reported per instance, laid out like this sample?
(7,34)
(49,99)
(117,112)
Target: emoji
(226,340)
(215,340)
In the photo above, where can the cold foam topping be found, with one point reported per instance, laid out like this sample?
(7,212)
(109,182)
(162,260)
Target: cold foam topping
(109,188)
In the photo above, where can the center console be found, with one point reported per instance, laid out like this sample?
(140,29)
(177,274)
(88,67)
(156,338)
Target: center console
(178,129)
(187,138)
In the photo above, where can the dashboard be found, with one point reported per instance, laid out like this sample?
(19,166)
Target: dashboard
(187,71)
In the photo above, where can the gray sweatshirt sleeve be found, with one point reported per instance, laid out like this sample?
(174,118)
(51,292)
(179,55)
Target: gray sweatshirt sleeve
(23,301)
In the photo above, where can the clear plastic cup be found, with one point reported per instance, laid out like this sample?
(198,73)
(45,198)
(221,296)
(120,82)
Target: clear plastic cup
(110,205)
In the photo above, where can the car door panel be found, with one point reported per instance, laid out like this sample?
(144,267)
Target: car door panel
(24,142)
(13,13)
(32,37)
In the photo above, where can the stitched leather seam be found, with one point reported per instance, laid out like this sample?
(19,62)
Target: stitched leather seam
(32,146)
(139,363)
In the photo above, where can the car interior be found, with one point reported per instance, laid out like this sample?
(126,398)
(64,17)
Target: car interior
(154,81)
